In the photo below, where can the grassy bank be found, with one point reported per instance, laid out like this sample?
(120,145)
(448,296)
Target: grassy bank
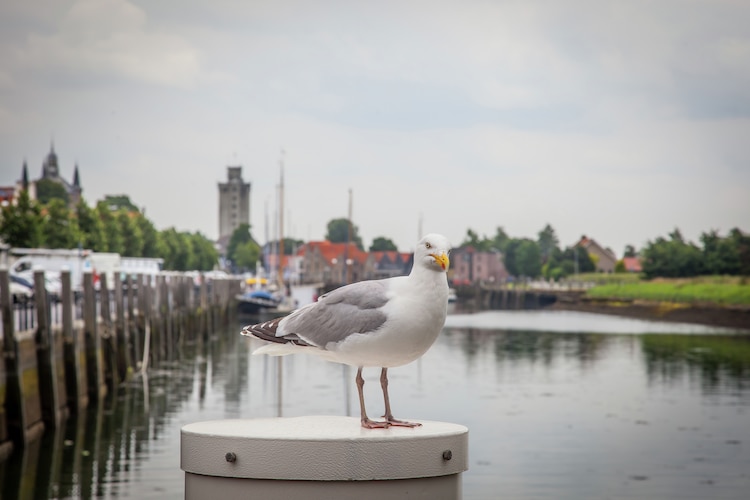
(718,290)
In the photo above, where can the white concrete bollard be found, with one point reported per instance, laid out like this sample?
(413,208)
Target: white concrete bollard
(322,457)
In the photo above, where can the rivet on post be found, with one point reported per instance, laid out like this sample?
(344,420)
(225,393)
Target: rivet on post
(447,455)
(231,457)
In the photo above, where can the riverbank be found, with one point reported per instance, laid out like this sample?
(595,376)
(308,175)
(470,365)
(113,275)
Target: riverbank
(704,314)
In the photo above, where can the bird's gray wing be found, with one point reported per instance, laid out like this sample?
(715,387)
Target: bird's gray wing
(355,308)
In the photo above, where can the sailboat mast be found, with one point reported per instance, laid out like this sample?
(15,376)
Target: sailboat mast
(281,221)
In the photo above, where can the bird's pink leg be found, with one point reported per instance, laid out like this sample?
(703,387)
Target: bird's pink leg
(366,422)
(388,415)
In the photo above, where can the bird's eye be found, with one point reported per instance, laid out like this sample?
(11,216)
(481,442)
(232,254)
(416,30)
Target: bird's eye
(427,245)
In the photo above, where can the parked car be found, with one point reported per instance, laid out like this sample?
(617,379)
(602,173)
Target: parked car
(53,284)
(21,289)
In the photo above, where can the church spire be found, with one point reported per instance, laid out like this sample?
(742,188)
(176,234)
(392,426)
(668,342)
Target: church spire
(25,176)
(76,178)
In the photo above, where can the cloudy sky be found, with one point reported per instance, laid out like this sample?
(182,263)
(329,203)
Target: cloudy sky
(618,120)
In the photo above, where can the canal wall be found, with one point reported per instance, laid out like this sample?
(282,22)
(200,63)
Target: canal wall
(62,353)
(484,297)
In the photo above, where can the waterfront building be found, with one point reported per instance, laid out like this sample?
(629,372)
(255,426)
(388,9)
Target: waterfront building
(234,204)
(604,258)
(469,266)
(51,173)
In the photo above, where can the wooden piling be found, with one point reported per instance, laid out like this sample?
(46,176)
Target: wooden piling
(56,368)
(94,352)
(50,359)
(74,350)
(6,308)
(124,358)
(108,334)
(135,348)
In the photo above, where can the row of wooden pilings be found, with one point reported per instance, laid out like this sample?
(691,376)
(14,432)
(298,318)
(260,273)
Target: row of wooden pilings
(59,356)
(505,298)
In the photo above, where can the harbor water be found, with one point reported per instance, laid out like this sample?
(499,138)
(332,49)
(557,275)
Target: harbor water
(558,405)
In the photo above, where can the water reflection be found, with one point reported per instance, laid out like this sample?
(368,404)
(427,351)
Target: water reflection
(716,362)
(553,411)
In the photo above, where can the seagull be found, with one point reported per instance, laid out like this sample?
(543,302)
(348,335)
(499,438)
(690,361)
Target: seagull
(376,323)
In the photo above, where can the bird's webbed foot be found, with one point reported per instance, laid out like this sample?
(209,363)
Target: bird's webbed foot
(374,424)
(400,423)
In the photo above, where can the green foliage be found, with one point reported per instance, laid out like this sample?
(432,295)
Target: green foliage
(244,252)
(338,232)
(242,249)
(91,228)
(183,251)
(111,227)
(150,237)
(680,291)
(175,250)
(548,242)
(132,237)
(672,258)
(381,244)
(204,256)
(629,251)
(48,190)
(21,224)
(523,258)
(721,255)
(246,255)
(620,267)
(500,240)
(119,202)
(60,226)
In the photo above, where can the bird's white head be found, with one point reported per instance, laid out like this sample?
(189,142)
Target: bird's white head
(432,252)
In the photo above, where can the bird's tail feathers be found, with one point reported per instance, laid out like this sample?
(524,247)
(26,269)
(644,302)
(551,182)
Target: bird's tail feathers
(264,331)
(267,331)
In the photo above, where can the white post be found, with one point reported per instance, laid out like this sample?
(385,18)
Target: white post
(322,457)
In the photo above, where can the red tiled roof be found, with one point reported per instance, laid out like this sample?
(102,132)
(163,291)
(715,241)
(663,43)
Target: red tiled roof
(632,264)
(393,255)
(331,251)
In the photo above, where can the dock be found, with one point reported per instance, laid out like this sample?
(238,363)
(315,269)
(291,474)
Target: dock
(60,356)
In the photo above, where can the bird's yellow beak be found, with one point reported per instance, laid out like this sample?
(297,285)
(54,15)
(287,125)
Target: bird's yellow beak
(442,259)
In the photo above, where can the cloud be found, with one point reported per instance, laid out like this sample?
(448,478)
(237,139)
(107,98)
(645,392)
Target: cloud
(108,39)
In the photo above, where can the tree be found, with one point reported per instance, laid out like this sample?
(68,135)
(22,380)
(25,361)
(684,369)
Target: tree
(472,240)
(48,190)
(112,229)
(629,251)
(672,258)
(60,227)
(21,224)
(246,255)
(242,248)
(529,259)
(576,259)
(523,258)
(176,248)
(500,240)
(150,236)
(119,202)
(130,231)
(91,229)
(204,256)
(381,244)
(240,235)
(548,242)
(721,254)
(742,242)
(338,232)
